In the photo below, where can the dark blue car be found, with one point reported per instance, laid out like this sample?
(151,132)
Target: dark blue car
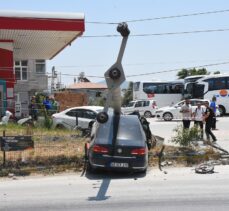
(126,152)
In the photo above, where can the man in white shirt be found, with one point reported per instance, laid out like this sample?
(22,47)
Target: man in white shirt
(186,111)
(198,115)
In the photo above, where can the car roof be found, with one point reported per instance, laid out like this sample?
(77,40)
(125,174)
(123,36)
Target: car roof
(94,108)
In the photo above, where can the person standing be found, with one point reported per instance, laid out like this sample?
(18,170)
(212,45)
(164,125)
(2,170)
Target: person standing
(213,106)
(186,111)
(199,117)
(208,117)
(33,108)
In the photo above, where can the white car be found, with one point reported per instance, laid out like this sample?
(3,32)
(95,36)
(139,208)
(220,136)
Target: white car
(146,108)
(169,113)
(86,116)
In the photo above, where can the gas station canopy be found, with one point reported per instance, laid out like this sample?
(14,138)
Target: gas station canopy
(39,35)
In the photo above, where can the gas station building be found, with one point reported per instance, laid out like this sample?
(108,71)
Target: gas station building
(27,40)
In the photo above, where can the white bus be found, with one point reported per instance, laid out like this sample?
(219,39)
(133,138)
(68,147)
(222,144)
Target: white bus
(165,93)
(208,86)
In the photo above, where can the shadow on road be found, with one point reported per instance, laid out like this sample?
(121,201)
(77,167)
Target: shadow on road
(103,180)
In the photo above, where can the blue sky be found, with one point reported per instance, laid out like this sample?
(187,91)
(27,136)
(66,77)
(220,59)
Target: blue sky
(143,54)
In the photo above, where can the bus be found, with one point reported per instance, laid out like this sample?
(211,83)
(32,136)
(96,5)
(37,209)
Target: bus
(209,86)
(165,93)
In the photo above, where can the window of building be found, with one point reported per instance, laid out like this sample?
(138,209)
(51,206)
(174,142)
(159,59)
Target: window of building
(21,70)
(40,66)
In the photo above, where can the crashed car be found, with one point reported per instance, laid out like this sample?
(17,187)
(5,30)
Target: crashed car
(126,152)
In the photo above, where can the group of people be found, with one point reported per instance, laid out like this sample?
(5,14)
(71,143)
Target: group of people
(50,105)
(201,115)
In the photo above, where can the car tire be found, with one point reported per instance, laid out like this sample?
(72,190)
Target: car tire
(61,127)
(167,116)
(222,110)
(147,114)
(90,169)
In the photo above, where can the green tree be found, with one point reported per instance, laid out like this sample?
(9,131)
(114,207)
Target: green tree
(190,72)
(183,74)
(128,96)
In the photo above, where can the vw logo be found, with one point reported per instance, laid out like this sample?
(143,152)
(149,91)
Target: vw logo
(119,150)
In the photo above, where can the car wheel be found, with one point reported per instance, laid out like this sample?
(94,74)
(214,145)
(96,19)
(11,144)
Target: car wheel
(147,114)
(167,116)
(90,169)
(222,110)
(28,123)
(60,127)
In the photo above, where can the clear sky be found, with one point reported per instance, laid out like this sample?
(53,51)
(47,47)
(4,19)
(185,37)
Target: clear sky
(143,54)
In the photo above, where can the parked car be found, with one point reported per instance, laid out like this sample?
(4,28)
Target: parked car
(146,108)
(169,113)
(86,116)
(128,152)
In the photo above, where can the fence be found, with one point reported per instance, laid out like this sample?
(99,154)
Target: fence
(48,150)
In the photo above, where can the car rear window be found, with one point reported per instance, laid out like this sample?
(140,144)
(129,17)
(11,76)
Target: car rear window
(130,132)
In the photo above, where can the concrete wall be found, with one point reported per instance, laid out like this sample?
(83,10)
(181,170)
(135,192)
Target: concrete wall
(36,82)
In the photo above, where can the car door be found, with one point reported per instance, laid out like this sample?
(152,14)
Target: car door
(87,116)
(139,106)
(70,117)
(129,108)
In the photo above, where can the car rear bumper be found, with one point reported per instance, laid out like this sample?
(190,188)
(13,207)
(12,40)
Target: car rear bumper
(135,163)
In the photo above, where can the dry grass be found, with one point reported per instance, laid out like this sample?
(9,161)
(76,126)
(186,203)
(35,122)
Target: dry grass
(62,150)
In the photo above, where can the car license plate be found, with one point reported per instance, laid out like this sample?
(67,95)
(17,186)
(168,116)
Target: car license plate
(119,165)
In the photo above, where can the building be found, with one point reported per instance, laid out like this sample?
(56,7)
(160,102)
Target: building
(27,39)
(93,91)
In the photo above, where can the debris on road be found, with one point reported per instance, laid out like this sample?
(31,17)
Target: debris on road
(204,168)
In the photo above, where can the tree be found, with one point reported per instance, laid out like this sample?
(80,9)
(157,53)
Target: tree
(183,74)
(128,96)
(190,72)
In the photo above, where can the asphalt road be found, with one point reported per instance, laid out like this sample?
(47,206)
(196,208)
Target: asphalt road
(179,189)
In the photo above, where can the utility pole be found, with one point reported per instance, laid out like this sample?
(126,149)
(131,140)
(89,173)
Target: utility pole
(53,77)
(52,80)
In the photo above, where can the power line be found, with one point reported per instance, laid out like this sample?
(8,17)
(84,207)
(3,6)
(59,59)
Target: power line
(144,74)
(178,69)
(158,34)
(139,63)
(163,17)
(165,71)
(132,21)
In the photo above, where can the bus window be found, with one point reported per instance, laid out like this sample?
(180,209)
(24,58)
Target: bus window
(227,79)
(198,91)
(154,88)
(220,83)
(210,82)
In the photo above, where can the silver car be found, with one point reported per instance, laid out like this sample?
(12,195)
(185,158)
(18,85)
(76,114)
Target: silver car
(77,117)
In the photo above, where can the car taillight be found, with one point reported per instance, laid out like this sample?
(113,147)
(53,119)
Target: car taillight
(100,149)
(139,151)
